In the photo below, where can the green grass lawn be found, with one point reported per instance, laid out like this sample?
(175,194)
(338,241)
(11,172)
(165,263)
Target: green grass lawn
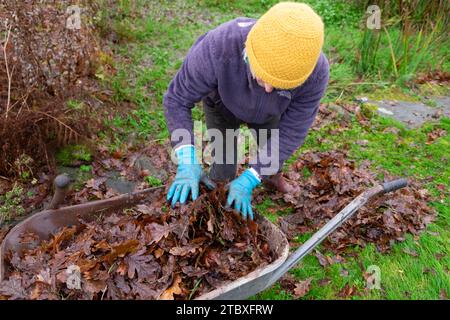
(155,39)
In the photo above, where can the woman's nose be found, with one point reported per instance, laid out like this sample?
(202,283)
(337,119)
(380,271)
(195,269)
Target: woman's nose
(268,88)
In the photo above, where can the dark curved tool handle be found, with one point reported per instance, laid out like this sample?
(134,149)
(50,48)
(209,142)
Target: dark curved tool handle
(211,185)
(394,185)
(62,184)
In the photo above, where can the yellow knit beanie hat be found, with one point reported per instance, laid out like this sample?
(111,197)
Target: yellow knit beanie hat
(284,44)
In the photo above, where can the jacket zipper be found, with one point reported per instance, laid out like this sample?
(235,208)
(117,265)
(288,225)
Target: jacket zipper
(258,108)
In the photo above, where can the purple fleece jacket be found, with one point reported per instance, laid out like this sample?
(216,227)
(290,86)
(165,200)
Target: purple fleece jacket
(215,62)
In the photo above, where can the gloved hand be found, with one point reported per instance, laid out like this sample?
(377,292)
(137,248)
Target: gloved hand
(240,192)
(188,176)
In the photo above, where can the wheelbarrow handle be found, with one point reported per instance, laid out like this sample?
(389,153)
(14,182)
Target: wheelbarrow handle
(62,183)
(333,224)
(394,185)
(210,184)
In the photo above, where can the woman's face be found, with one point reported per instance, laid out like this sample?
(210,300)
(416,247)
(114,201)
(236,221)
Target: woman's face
(261,83)
(266,86)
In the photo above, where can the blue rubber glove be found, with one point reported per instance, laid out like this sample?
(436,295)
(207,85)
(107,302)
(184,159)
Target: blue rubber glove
(240,193)
(188,176)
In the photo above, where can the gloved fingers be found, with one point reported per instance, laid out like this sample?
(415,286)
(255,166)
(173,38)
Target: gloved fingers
(194,190)
(237,205)
(250,211)
(184,193)
(244,210)
(171,190)
(177,194)
(230,199)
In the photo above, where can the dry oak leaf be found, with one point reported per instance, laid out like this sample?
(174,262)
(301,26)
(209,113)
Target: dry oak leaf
(302,288)
(347,291)
(121,250)
(173,289)
(65,234)
(184,250)
(158,253)
(158,231)
(142,264)
(13,289)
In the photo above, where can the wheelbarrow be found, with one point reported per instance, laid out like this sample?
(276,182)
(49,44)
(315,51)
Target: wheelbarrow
(45,223)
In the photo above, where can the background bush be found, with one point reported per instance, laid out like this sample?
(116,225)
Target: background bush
(42,65)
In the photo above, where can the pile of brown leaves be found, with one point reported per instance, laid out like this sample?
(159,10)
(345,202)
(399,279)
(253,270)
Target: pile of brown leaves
(144,253)
(435,134)
(334,182)
(339,115)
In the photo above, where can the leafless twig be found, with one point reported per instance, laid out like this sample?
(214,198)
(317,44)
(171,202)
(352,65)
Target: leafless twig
(8,72)
(59,121)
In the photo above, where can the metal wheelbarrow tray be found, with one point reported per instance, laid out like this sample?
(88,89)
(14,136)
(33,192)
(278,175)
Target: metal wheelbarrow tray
(47,222)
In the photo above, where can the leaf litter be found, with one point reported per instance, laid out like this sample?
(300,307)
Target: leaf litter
(176,253)
(332,182)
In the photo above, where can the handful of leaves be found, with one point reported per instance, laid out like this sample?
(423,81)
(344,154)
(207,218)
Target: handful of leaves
(147,252)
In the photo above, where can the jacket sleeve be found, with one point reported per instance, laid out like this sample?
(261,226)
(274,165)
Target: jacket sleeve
(194,80)
(294,123)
